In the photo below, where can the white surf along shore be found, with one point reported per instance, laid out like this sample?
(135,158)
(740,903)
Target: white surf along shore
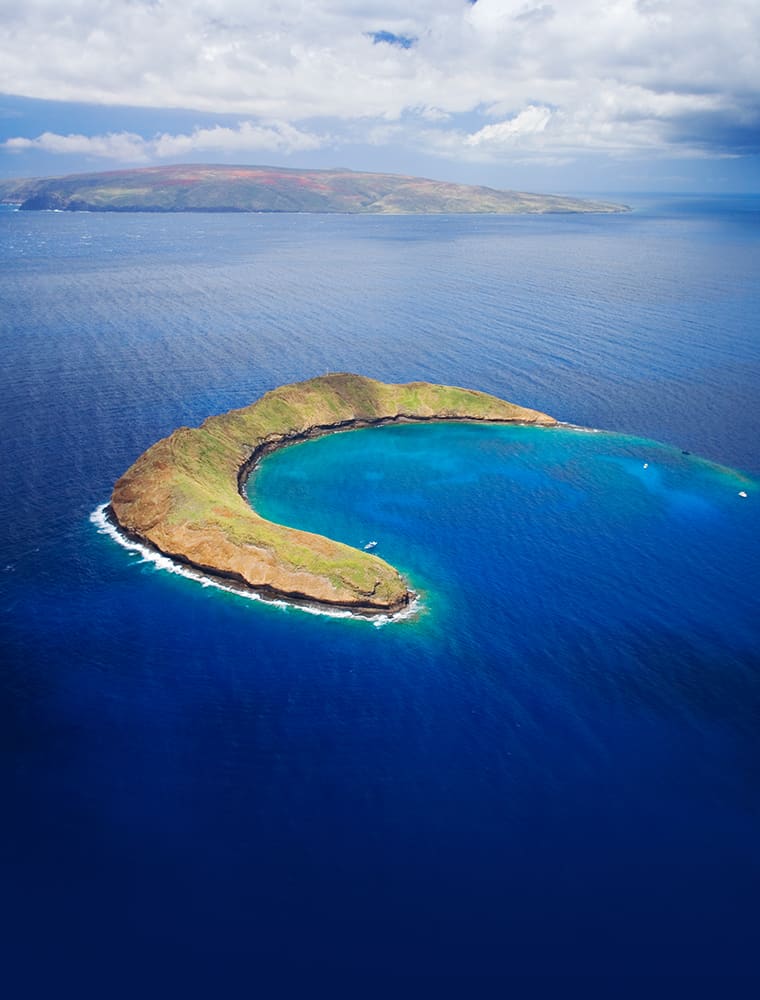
(105,526)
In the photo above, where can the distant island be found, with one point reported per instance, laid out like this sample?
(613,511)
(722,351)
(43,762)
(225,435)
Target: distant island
(218,188)
(185,495)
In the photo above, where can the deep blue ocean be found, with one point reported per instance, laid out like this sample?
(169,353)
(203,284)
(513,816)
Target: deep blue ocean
(548,780)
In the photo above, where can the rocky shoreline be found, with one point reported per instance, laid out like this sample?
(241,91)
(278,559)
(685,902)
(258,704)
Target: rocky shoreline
(185,496)
(249,467)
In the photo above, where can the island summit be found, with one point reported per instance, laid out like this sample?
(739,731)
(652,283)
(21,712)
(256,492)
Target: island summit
(219,188)
(185,495)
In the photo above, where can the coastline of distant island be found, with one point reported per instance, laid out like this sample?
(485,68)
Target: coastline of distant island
(185,495)
(252,189)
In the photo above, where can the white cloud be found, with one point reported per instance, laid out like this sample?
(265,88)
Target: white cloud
(504,134)
(124,146)
(247,137)
(609,75)
(130,148)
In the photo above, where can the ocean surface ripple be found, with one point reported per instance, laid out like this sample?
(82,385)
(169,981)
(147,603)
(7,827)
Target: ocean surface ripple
(550,770)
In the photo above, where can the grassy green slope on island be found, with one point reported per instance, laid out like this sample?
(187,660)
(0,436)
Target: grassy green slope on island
(183,494)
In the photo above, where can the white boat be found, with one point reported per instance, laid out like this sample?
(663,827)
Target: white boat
(370,545)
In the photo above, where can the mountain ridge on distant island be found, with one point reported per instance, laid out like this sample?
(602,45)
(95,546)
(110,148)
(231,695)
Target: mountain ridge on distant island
(220,188)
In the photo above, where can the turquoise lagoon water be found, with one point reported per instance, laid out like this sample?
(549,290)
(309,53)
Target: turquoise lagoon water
(549,776)
(585,537)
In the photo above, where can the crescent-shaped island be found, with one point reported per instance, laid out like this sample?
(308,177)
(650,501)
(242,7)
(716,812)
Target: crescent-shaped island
(185,497)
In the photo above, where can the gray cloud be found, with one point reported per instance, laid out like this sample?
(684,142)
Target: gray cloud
(542,13)
(680,77)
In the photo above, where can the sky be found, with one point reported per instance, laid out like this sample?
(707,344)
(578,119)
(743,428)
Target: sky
(569,96)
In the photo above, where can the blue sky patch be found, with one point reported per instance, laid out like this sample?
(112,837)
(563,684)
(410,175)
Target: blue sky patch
(388,38)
